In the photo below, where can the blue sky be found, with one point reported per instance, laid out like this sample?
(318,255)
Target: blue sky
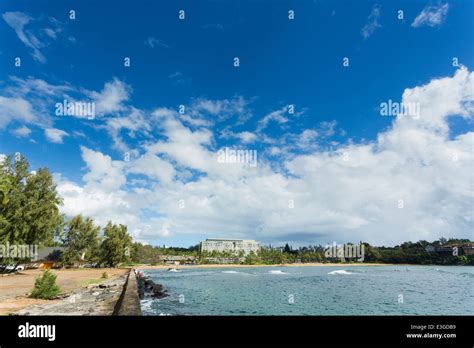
(282,62)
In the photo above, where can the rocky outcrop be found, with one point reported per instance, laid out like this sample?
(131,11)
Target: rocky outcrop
(147,287)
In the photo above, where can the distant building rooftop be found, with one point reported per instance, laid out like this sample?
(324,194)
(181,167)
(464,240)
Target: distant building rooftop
(230,240)
(50,253)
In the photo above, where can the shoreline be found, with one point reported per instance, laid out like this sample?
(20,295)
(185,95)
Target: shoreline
(141,267)
(83,292)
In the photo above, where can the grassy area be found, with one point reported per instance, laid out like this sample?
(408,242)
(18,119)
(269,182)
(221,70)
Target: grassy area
(92,281)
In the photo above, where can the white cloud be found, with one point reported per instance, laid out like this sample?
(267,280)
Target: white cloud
(19,97)
(18,20)
(104,173)
(220,110)
(55,135)
(32,36)
(431,16)
(94,202)
(22,131)
(37,87)
(154,168)
(247,137)
(327,128)
(372,22)
(349,194)
(244,137)
(278,116)
(101,197)
(152,42)
(16,109)
(111,98)
(133,122)
(308,136)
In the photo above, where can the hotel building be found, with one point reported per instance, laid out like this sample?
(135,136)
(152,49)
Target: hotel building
(230,245)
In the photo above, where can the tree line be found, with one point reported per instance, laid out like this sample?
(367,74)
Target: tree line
(405,253)
(29,215)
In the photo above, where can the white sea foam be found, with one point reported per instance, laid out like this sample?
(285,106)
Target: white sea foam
(174,270)
(146,304)
(230,272)
(277,272)
(340,271)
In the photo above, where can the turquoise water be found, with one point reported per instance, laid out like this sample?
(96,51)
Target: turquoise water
(361,290)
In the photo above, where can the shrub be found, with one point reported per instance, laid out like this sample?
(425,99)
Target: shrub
(45,286)
(104,275)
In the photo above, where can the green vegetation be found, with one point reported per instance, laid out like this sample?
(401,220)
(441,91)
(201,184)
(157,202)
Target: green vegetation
(406,253)
(29,214)
(92,281)
(45,286)
(81,239)
(116,247)
(5,187)
(105,275)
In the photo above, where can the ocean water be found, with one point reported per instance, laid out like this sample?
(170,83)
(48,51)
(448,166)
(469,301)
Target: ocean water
(360,290)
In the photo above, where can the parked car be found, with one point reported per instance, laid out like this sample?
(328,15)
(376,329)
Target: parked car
(12,268)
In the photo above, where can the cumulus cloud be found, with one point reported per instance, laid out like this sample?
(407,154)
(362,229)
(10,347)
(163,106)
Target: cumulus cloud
(431,16)
(16,109)
(412,182)
(133,121)
(154,168)
(22,131)
(29,101)
(244,137)
(103,172)
(110,100)
(55,135)
(101,205)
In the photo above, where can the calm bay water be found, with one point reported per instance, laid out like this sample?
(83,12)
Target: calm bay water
(361,290)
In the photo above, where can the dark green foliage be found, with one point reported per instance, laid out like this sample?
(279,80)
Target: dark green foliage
(29,211)
(45,286)
(117,245)
(81,239)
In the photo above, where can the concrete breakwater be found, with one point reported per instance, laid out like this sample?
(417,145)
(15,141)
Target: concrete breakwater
(129,302)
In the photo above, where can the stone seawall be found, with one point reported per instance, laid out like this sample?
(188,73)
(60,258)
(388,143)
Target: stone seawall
(129,302)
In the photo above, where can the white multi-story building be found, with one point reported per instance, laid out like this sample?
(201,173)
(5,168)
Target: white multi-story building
(230,245)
